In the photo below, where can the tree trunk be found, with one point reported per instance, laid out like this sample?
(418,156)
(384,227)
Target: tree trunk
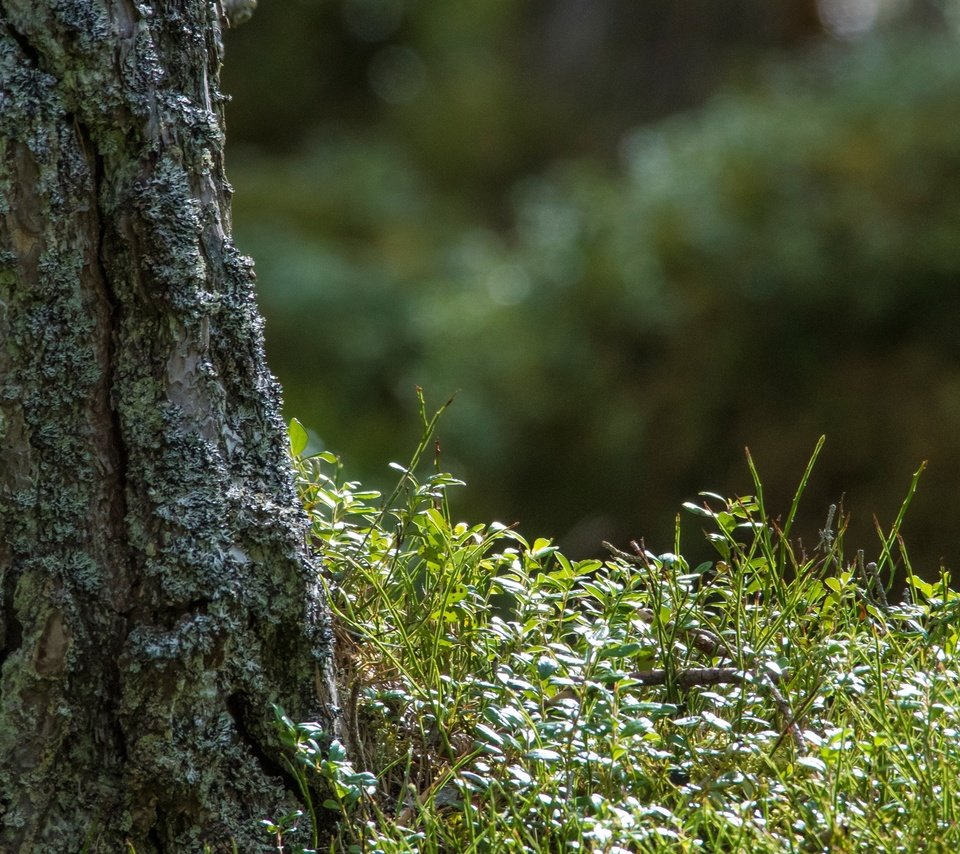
(157,591)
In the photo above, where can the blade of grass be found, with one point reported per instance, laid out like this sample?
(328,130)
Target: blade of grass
(801,488)
(886,555)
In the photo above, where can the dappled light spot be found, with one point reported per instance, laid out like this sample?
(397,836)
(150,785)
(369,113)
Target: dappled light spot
(851,19)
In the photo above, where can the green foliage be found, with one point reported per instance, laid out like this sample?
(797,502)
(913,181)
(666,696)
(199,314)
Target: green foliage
(305,759)
(501,697)
(776,265)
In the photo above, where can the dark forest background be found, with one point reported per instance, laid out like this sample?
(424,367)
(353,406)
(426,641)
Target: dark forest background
(635,236)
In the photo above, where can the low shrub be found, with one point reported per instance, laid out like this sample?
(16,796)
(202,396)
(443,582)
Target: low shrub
(501,697)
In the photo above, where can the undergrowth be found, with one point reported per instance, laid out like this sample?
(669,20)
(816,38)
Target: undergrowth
(500,697)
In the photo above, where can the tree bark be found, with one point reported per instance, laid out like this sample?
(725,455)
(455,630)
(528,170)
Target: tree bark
(157,591)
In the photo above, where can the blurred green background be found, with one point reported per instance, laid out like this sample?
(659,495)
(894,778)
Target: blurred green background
(634,236)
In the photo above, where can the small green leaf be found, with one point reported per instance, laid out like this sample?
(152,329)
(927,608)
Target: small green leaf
(812,763)
(542,548)
(697,510)
(639,726)
(543,754)
(624,650)
(546,667)
(298,437)
(489,735)
(716,722)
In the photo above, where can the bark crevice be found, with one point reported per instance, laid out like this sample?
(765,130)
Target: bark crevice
(30,53)
(12,629)
(238,705)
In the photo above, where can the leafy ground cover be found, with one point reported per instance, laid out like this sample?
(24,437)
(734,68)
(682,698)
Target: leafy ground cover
(500,697)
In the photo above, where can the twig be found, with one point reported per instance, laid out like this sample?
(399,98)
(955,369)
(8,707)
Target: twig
(786,714)
(871,581)
(705,641)
(690,677)
(826,535)
(701,676)
(640,559)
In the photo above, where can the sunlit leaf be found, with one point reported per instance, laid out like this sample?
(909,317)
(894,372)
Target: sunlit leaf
(298,437)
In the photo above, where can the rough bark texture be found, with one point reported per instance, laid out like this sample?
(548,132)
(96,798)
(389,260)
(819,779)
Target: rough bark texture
(157,594)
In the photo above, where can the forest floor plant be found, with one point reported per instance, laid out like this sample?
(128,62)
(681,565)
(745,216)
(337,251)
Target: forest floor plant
(500,697)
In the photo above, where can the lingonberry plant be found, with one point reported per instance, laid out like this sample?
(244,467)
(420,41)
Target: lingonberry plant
(500,697)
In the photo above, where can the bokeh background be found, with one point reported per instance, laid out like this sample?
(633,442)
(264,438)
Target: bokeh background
(633,236)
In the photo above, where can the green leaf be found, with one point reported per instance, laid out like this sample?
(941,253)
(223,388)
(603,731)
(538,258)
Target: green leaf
(834,584)
(716,722)
(636,727)
(298,437)
(546,667)
(919,584)
(489,735)
(812,763)
(624,650)
(543,754)
(364,779)
(542,548)
(697,510)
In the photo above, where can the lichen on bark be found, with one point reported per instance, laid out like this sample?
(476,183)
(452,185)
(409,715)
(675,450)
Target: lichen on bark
(157,591)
